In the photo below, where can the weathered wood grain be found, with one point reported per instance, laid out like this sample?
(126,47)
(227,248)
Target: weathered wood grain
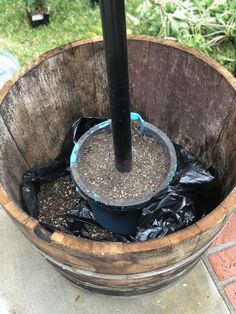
(211,225)
(83,70)
(34,112)
(101,105)
(118,284)
(224,154)
(12,165)
(229,203)
(138,61)
(184,242)
(183,94)
(4,196)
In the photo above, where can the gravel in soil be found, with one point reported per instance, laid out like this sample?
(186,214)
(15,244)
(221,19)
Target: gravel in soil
(99,234)
(97,168)
(55,199)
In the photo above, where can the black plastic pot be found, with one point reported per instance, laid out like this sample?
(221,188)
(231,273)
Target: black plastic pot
(39,18)
(120,216)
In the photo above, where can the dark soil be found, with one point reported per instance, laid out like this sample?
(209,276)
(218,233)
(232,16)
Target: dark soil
(98,171)
(99,234)
(55,199)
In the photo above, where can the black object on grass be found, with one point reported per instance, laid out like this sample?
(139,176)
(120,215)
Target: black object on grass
(115,42)
(37,12)
(36,20)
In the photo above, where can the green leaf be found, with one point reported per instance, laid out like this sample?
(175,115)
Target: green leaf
(174,25)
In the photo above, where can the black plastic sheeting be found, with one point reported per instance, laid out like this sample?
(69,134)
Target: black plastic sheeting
(192,194)
(54,169)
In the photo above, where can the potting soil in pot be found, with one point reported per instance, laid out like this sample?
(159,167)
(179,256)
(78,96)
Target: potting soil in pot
(97,167)
(48,194)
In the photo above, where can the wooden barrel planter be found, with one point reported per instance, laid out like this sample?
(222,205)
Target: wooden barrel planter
(186,94)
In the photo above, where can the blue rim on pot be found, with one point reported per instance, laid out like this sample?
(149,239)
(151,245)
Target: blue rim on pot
(116,215)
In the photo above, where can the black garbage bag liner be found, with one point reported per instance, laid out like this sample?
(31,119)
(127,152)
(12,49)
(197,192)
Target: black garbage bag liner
(196,181)
(80,219)
(53,169)
(78,128)
(47,172)
(193,193)
(169,212)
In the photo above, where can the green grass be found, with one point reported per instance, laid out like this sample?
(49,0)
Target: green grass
(71,20)
(206,25)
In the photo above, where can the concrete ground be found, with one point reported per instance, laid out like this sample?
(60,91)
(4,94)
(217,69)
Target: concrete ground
(29,285)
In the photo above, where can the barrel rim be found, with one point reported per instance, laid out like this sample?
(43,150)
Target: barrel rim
(110,248)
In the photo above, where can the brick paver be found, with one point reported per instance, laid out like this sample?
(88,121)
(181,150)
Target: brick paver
(224,263)
(222,259)
(230,291)
(228,233)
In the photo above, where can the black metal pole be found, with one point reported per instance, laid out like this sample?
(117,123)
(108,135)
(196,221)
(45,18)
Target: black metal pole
(115,42)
